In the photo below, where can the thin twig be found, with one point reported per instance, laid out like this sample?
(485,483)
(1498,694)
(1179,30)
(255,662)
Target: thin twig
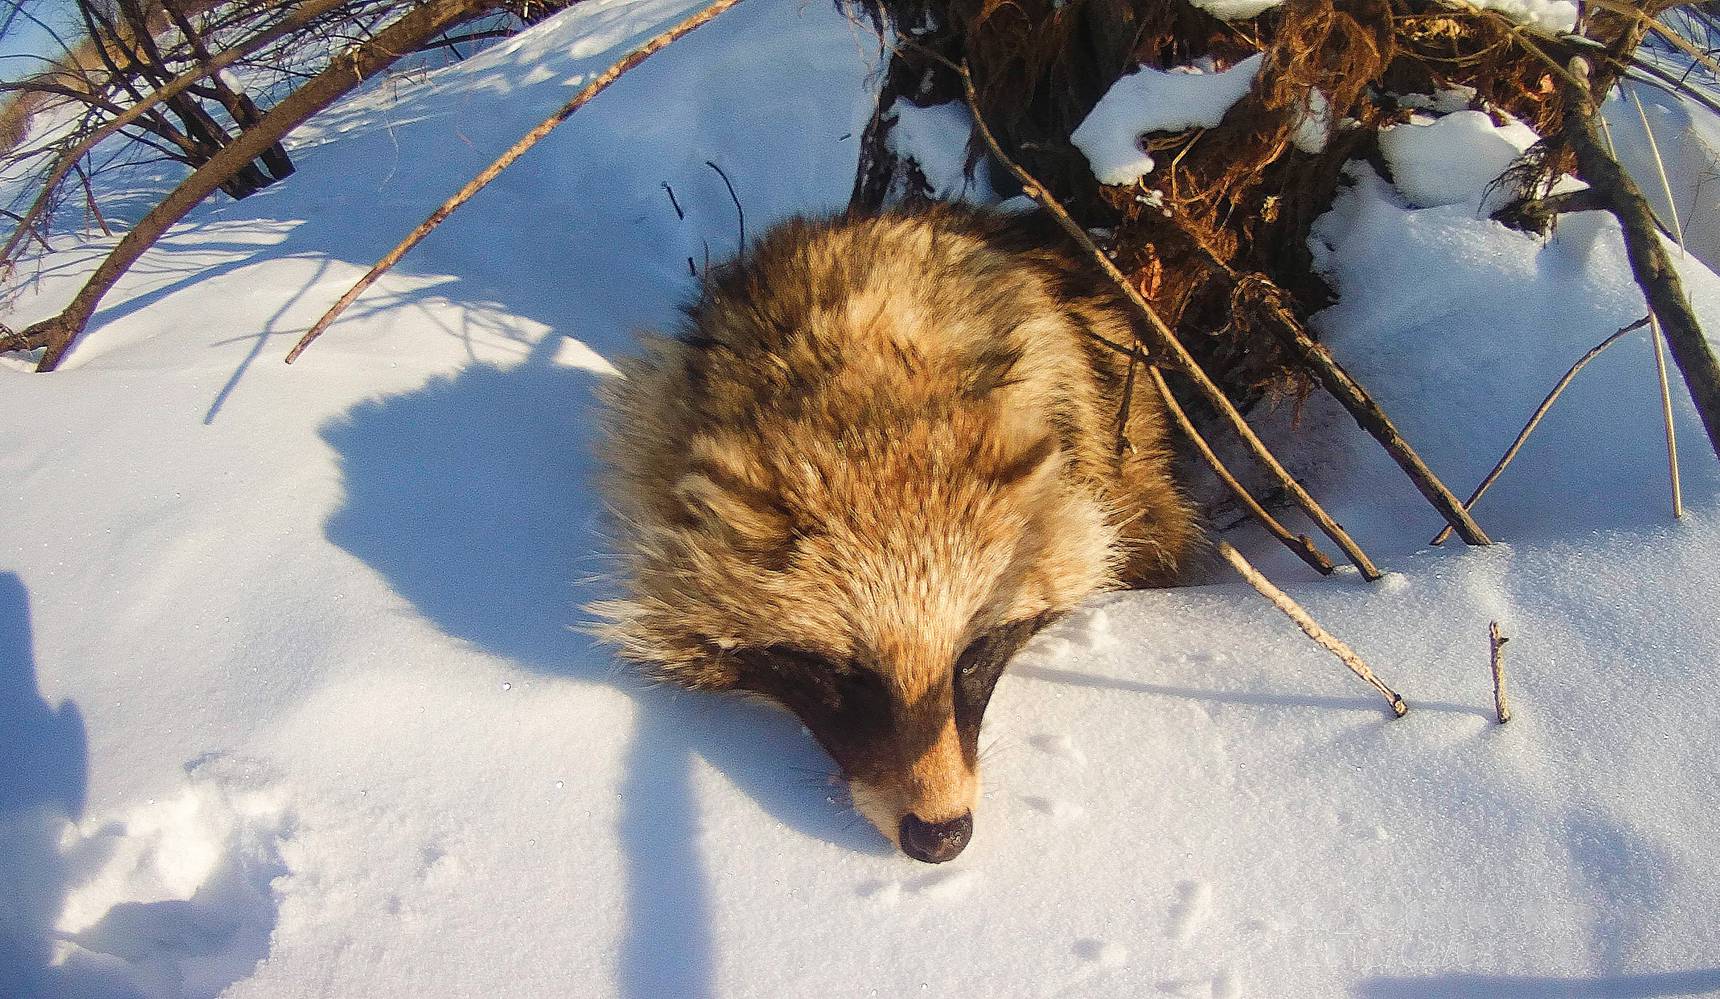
(6,263)
(1660,28)
(1672,84)
(739,211)
(1309,626)
(1300,545)
(90,201)
(1496,658)
(502,162)
(1659,164)
(1535,420)
(1123,442)
(1165,342)
(1657,338)
(1655,335)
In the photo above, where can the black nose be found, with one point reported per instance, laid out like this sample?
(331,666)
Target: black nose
(935,842)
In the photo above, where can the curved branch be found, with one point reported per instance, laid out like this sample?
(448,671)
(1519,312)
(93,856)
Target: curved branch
(298,18)
(1535,420)
(344,73)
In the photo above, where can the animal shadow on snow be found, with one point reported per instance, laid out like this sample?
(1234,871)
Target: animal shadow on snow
(474,497)
(182,947)
(43,778)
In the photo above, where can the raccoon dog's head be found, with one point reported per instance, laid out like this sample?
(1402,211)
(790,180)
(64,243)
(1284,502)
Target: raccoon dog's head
(873,576)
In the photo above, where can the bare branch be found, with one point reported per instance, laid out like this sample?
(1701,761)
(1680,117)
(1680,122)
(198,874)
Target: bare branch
(298,18)
(343,73)
(502,162)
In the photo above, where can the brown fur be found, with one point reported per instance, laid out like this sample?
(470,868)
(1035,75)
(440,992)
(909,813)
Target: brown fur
(883,444)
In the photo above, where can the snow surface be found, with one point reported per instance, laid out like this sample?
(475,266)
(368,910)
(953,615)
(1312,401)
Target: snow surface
(1687,138)
(1154,100)
(289,706)
(1315,124)
(1458,158)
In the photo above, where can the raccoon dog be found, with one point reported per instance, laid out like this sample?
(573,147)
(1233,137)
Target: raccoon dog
(881,454)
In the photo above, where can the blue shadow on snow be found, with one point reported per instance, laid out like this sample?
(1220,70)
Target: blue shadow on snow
(43,780)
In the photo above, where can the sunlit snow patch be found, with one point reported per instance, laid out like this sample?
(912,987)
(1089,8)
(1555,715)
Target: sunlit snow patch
(1236,10)
(937,138)
(1315,123)
(1154,100)
(1548,17)
(1454,159)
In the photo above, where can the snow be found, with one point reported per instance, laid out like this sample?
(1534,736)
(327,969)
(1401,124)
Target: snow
(1458,158)
(1549,17)
(1315,124)
(1237,10)
(1443,100)
(1153,100)
(937,138)
(289,704)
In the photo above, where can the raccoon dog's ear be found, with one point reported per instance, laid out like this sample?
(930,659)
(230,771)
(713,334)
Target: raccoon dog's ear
(748,520)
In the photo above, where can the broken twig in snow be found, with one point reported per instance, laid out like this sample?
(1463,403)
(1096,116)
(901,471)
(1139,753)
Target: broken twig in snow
(1496,658)
(1164,341)
(1535,420)
(1299,544)
(505,160)
(1309,626)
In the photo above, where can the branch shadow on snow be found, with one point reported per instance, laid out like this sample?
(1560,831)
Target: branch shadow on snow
(43,781)
(473,496)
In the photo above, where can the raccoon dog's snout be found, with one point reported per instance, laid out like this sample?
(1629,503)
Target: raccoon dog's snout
(935,842)
(882,451)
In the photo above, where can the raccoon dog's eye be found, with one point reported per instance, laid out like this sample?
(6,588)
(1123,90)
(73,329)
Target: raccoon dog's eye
(981,665)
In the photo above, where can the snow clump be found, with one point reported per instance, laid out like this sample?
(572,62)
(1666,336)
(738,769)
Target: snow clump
(1154,100)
